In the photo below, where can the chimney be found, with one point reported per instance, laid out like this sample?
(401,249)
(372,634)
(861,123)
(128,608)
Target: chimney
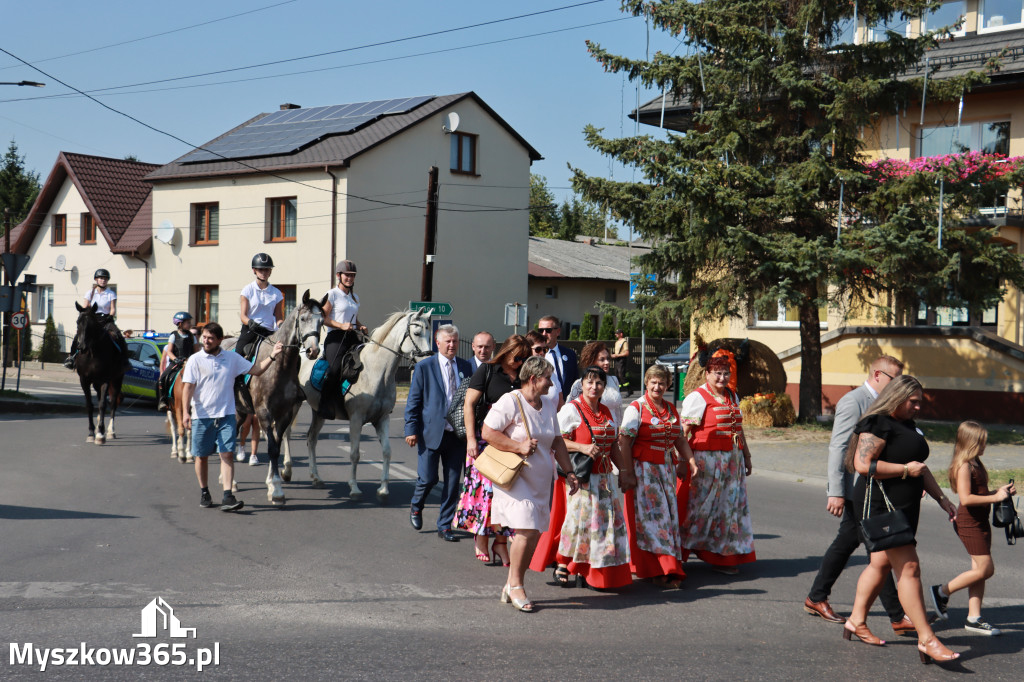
(288,105)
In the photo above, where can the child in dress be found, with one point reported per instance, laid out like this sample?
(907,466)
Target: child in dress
(969,480)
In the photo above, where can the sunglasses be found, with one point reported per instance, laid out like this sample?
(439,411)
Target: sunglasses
(518,359)
(546,330)
(540,349)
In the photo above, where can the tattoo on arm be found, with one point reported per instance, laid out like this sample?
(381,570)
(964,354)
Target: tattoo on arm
(869,446)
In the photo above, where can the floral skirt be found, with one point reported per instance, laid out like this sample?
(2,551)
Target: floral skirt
(717,527)
(473,512)
(594,530)
(652,520)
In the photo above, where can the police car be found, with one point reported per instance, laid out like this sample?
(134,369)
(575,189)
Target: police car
(144,353)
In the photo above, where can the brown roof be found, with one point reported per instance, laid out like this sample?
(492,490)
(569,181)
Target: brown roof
(114,193)
(336,150)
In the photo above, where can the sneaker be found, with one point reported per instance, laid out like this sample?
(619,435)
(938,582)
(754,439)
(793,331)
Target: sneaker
(254,461)
(240,455)
(69,362)
(205,501)
(939,602)
(229,503)
(982,628)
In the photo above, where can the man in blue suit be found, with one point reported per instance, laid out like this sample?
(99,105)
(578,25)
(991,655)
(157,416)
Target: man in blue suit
(434,382)
(562,359)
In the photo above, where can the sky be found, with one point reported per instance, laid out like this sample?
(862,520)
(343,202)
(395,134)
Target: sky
(534,71)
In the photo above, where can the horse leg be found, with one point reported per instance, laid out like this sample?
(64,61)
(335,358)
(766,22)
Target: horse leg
(275,489)
(113,394)
(311,436)
(286,472)
(101,398)
(383,427)
(87,390)
(355,430)
(173,428)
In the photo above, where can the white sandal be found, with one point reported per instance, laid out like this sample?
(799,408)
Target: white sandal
(524,605)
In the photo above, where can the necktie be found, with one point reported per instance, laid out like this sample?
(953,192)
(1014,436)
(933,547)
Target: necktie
(451,381)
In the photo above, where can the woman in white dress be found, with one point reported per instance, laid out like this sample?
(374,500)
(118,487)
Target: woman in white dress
(525,506)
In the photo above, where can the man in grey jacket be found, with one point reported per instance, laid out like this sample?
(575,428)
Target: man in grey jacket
(840,501)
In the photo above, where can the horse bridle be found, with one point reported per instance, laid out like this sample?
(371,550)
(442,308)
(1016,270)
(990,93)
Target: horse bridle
(305,336)
(410,357)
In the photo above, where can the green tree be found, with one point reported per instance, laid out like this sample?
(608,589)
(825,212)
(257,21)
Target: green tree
(543,212)
(581,218)
(49,351)
(588,330)
(18,187)
(607,330)
(742,209)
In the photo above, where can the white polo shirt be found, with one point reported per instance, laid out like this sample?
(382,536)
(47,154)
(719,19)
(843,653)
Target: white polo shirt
(262,303)
(344,307)
(102,298)
(214,378)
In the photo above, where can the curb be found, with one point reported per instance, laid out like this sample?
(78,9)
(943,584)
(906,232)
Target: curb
(8,406)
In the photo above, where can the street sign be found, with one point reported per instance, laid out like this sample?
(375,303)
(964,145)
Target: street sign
(515,314)
(14,263)
(435,307)
(637,285)
(19,320)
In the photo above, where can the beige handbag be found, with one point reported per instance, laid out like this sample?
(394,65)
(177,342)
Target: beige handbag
(498,466)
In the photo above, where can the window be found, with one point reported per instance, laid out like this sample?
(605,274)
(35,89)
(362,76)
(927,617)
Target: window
(206,304)
(43,302)
(897,24)
(148,355)
(610,295)
(782,315)
(463,153)
(997,15)
(948,14)
(60,230)
(205,223)
(991,137)
(289,297)
(88,229)
(281,219)
(550,292)
(944,316)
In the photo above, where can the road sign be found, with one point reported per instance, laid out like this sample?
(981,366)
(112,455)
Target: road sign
(515,314)
(19,320)
(435,307)
(14,263)
(637,285)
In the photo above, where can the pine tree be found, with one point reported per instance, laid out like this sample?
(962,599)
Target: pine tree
(743,208)
(607,330)
(588,330)
(18,187)
(49,351)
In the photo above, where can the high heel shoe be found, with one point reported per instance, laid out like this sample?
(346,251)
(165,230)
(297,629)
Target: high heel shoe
(497,555)
(482,555)
(524,605)
(934,650)
(861,632)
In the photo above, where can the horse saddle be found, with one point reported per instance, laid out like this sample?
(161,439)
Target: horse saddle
(350,365)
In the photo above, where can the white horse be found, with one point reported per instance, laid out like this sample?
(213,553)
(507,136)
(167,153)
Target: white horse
(371,398)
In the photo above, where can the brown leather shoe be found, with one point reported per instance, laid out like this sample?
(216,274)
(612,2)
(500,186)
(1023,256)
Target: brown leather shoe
(822,609)
(904,627)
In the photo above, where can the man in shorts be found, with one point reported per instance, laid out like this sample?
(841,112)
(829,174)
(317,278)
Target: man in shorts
(209,379)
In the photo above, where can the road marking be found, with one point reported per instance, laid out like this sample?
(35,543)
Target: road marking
(401,469)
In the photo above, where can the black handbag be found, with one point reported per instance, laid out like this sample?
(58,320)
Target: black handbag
(1003,512)
(456,411)
(884,531)
(582,465)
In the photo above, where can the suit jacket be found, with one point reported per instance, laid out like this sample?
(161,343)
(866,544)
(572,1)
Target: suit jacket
(848,411)
(427,405)
(570,368)
(474,363)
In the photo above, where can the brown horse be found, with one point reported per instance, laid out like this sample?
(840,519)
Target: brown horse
(100,366)
(181,437)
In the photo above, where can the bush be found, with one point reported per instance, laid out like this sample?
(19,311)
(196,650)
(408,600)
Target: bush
(588,329)
(765,410)
(607,330)
(49,351)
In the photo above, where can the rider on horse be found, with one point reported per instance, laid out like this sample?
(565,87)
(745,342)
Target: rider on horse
(340,314)
(180,345)
(105,300)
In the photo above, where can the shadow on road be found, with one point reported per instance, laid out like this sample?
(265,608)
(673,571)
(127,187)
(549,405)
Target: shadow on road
(8,511)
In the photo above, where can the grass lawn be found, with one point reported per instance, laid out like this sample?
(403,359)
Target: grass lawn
(998,477)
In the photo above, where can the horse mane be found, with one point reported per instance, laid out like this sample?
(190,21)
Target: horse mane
(380,333)
(286,326)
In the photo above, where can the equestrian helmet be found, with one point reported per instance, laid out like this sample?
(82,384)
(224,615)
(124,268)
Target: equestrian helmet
(345,266)
(102,272)
(181,317)
(262,260)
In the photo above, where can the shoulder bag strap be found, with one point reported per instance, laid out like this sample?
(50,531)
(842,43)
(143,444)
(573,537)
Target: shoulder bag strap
(585,422)
(526,425)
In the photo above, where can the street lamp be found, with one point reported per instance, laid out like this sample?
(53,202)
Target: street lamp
(32,83)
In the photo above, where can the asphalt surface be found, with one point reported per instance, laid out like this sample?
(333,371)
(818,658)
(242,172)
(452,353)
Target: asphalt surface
(330,588)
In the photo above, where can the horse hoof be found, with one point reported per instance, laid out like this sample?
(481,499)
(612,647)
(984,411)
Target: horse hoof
(382,497)
(90,439)
(100,440)
(278,501)
(181,458)
(175,454)
(190,458)
(355,495)
(286,476)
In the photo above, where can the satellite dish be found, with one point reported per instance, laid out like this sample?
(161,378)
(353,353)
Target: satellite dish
(451,123)
(165,233)
(61,262)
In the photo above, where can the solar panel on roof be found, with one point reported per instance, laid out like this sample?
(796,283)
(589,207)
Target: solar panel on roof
(287,131)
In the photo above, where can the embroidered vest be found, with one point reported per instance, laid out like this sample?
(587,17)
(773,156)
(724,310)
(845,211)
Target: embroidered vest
(654,440)
(720,426)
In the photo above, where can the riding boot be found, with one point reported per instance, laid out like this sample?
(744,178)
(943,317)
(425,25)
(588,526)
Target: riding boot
(326,408)
(69,361)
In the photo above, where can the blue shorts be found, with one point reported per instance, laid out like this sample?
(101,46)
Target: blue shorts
(213,435)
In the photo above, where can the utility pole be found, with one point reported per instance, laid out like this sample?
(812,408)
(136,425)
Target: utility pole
(8,283)
(429,238)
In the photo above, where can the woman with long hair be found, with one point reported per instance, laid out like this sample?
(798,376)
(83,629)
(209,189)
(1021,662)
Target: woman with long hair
(888,447)
(524,421)
(969,480)
(489,382)
(596,353)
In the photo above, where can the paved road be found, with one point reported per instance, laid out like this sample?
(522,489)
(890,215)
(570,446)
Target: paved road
(327,588)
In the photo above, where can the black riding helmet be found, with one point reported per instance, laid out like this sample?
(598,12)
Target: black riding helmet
(262,260)
(102,272)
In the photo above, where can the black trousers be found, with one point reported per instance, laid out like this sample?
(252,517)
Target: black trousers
(834,561)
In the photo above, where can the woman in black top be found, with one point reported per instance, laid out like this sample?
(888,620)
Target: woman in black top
(891,450)
(491,380)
